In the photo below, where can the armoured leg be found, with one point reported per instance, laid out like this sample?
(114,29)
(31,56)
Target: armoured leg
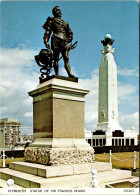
(65,55)
(56,58)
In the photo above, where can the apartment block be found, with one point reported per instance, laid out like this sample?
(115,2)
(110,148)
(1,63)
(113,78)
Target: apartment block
(10,130)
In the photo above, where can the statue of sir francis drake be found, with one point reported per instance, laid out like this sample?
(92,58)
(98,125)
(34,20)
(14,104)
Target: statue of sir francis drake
(62,36)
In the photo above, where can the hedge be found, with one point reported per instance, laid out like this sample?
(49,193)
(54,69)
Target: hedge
(115,149)
(15,153)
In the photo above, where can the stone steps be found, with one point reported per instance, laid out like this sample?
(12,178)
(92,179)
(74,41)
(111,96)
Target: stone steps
(61,170)
(22,179)
(30,175)
(31,181)
(114,175)
(3,184)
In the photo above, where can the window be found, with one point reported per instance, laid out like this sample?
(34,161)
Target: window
(99,132)
(89,141)
(97,142)
(127,142)
(119,142)
(112,142)
(132,142)
(118,133)
(104,142)
(100,142)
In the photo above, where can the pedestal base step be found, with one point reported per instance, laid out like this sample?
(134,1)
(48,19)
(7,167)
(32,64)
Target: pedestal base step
(32,181)
(3,184)
(60,170)
(76,180)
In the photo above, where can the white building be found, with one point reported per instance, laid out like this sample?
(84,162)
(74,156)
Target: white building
(128,137)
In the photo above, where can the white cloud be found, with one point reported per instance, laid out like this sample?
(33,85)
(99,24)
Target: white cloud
(28,114)
(3,109)
(128,72)
(91,101)
(28,101)
(129,120)
(18,77)
(96,71)
(16,57)
(125,90)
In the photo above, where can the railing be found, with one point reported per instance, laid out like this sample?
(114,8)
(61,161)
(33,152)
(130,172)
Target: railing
(94,183)
(3,157)
(111,155)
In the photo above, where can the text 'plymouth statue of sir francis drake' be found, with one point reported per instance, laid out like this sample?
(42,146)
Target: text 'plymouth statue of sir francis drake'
(62,36)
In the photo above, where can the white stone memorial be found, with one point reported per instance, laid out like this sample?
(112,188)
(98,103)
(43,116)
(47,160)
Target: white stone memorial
(108,98)
(108,131)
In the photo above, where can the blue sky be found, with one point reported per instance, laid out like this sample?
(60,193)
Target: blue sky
(22,38)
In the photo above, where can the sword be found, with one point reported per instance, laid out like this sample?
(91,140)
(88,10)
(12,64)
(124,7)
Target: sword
(72,46)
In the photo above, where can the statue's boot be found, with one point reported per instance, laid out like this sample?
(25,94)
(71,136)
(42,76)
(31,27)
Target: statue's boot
(72,75)
(68,69)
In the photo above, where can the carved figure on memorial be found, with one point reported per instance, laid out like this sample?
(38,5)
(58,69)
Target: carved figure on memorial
(108,129)
(103,114)
(62,36)
(113,114)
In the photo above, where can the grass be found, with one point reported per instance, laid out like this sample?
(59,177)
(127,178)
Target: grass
(128,165)
(7,161)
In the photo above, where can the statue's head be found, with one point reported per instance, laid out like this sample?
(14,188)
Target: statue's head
(57,12)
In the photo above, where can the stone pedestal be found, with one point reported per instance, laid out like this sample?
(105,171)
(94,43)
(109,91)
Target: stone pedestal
(59,124)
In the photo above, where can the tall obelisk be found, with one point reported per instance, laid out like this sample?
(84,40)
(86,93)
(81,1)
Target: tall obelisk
(108,98)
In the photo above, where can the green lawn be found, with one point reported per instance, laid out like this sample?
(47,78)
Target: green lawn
(119,164)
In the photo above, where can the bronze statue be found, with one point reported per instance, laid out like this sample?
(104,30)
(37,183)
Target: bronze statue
(62,36)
